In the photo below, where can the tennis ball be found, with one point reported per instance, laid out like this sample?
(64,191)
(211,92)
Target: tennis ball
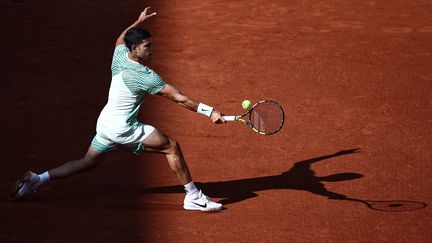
(246,104)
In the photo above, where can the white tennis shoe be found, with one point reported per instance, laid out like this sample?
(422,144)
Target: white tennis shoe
(201,202)
(28,182)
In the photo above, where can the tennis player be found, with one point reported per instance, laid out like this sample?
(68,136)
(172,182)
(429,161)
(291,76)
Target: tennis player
(118,124)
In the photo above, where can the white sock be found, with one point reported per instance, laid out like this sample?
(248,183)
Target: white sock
(190,188)
(44,177)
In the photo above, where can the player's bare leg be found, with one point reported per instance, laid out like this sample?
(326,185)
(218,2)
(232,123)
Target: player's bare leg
(30,181)
(194,199)
(160,143)
(91,160)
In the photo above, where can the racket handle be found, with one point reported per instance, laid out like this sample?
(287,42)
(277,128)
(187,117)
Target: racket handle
(229,118)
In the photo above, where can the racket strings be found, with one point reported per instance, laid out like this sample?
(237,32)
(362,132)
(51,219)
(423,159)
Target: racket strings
(267,117)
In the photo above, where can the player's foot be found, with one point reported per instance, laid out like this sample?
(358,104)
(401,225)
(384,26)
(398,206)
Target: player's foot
(29,182)
(201,202)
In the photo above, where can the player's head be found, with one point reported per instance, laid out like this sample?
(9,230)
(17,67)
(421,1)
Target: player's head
(139,42)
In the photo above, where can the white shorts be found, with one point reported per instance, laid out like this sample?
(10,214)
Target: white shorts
(132,136)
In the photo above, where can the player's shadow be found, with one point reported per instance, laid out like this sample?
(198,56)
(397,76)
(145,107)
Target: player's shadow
(299,177)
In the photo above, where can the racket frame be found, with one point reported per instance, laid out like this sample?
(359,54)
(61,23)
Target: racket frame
(248,112)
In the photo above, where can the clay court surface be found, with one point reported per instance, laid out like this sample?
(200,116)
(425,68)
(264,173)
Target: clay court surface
(353,76)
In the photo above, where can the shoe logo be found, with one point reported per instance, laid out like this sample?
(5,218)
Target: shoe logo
(204,109)
(201,205)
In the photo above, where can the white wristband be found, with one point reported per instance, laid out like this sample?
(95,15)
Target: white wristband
(204,109)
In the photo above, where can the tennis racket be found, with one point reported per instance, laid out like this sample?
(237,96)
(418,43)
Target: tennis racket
(265,117)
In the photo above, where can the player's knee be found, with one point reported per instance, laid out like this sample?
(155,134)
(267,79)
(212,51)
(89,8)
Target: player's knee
(89,163)
(174,147)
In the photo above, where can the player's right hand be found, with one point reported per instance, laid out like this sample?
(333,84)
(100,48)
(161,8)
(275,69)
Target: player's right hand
(217,117)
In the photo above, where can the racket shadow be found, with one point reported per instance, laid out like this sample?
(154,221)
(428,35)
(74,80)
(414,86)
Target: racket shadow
(390,205)
(299,177)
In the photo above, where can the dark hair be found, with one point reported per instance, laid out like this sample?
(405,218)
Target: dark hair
(135,36)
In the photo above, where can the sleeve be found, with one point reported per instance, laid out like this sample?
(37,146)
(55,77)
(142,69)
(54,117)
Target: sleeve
(151,82)
(119,52)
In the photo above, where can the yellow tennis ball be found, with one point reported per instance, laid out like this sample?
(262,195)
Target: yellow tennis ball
(246,104)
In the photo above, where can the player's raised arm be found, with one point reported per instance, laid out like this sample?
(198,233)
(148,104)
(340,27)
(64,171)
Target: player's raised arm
(174,94)
(145,14)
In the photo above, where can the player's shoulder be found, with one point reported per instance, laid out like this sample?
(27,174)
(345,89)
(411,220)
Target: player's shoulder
(120,52)
(139,69)
(121,47)
(148,75)
(135,70)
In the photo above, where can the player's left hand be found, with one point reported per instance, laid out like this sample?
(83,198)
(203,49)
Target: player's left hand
(217,117)
(145,14)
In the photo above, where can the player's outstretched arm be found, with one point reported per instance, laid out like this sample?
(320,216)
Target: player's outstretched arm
(175,95)
(145,14)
